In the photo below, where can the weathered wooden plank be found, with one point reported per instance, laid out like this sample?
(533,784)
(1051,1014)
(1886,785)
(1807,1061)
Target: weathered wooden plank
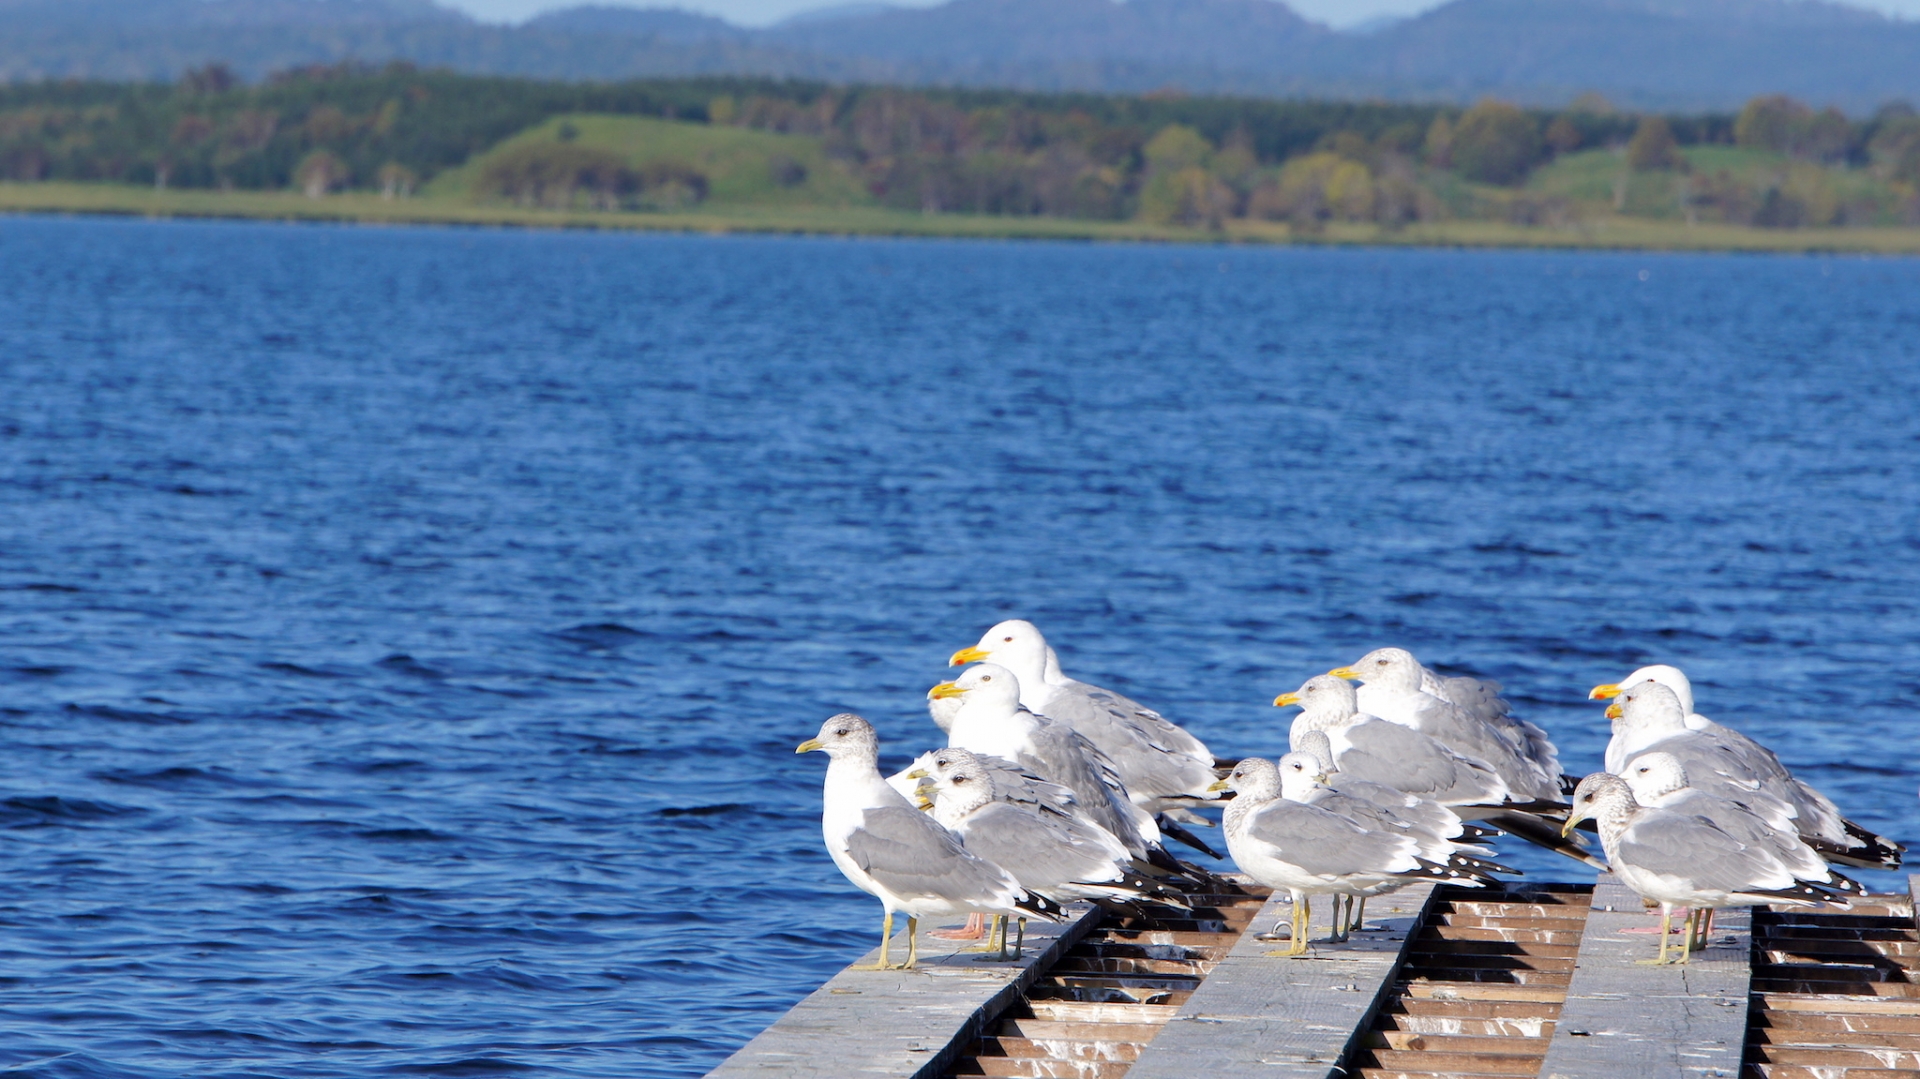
(1673,1022)
(904,1024)
(1280,1018)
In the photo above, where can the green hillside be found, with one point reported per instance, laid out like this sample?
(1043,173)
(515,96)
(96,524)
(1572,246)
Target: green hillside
(1725,183)
(742,167)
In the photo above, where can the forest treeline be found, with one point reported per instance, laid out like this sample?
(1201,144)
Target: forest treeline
(1162,157)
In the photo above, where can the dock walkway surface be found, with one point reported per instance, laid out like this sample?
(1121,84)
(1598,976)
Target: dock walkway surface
(1539,980)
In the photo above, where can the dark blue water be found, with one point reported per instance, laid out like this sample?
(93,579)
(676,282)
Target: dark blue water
(404,634)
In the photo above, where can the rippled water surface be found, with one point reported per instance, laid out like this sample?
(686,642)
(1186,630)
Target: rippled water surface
(404,635)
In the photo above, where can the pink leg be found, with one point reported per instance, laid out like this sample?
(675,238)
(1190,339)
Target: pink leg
(975,928)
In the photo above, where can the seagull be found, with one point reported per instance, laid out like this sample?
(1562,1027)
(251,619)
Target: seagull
(1163,766)
(1370,748)
(1652,714)
(902,856)
(1011,783)
(1048,852)
(1659,780)
(1393,690)
(992,721)
(1309,851)
(1675,857)
(1423,812)
(1303,781)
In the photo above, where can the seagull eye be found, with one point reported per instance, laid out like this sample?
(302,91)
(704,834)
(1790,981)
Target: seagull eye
(1379,662)
(1006,640)
(841,733)
(957,780)
(986,678)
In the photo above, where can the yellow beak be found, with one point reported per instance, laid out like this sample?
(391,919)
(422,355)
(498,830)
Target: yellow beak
(1285,699)
(967,655)
(917,773)
(1613,710)
(809,746)
(1604,692)
(1219,785)
(944,690)
(1347,673)
(1567,828)
(1321,778)
(924,803)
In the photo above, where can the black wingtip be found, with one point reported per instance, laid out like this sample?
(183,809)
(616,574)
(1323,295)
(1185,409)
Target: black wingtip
(1172,829)
(1040,906)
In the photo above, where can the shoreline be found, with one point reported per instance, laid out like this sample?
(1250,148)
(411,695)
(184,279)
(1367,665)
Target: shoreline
(1599,234)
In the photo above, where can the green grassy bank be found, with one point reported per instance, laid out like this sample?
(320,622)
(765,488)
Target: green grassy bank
(1605,233)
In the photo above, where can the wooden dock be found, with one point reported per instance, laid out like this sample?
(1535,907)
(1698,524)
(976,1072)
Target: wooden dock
(1538,980)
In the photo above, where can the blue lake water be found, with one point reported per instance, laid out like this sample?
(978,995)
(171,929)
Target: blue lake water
(404,634)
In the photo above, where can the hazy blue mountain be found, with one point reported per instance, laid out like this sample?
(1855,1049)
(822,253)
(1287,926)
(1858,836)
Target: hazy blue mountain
(838,11)
(1660,53)
(1687,54)
(668,23)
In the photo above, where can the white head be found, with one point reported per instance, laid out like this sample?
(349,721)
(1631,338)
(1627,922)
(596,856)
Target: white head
(985,685)
(1325,700)
(1253,780)
(1647,706)
(845,737)
(1300,776)
(1606,798)
(1670,677)
(1015,644)
(960,788)
(1652,775)
(1386,668)
(1315,743)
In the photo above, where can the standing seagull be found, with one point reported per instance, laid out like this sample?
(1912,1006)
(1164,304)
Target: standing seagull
(1050,853)
(991,721)
(1651,714)
(1302,780)
(898,854)
(1309,851)
(1674,857)
(1392,689)
(1163,766)
(1423,764)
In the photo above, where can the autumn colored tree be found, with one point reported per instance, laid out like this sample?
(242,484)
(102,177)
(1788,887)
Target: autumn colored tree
(1653,147)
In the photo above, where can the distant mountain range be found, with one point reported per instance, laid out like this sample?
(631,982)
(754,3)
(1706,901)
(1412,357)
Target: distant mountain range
(1667,54)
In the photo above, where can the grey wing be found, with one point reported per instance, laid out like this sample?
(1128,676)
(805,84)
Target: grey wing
(1480,698)
(1690,847)
(1406,760)
(1817,814)
(1021,785)
(1364,813)
(1504,750)
(1155,758)
(1324,843)
(1729,769)
(1041,853)
(910,854)
(1739,822)
(1067,758)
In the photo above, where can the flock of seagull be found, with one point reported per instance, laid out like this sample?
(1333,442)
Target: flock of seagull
(1053,791)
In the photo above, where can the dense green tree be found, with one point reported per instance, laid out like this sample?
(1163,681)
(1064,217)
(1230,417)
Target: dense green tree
(1495,143)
